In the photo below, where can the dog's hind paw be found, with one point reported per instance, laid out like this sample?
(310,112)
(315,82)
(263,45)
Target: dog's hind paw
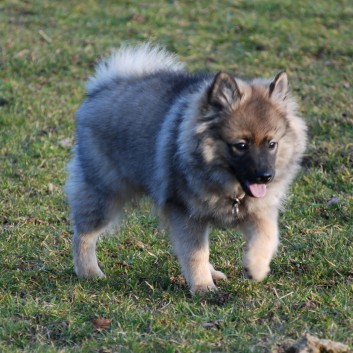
(217,275)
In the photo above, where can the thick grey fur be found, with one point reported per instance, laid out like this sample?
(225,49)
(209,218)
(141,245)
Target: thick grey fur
(142,131)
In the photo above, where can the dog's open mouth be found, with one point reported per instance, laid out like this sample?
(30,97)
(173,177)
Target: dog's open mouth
(255,190)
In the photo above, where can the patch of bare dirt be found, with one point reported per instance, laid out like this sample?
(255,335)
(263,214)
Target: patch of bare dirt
(312,344)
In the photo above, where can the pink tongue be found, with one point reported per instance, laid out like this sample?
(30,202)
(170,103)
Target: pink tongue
(257,190)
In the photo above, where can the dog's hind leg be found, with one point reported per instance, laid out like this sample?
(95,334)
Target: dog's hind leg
(92,214)
(92,211)
(84,252)
(91,218)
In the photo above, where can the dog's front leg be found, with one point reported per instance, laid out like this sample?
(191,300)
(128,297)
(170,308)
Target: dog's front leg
(261,235)
(190,241)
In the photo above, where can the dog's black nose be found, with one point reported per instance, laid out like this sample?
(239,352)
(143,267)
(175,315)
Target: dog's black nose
(264,177)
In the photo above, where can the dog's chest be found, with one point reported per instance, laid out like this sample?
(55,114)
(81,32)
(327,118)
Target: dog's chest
(220,209)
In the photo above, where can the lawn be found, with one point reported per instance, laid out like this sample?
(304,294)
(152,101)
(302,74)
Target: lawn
(48,50)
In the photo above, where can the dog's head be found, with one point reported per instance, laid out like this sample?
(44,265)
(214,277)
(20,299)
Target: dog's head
(246,123)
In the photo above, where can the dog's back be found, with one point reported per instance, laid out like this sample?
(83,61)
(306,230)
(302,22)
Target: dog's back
(119,122)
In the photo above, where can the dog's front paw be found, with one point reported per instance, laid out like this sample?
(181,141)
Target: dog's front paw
(89,271)
(256,271)
(201,289)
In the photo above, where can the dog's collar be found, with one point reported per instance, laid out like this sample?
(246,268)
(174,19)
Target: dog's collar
(235,203)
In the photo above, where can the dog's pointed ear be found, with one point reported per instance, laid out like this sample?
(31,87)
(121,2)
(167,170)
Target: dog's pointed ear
(224,91)
(279,86)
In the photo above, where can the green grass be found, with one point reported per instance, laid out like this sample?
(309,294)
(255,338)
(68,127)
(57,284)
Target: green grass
(47,51)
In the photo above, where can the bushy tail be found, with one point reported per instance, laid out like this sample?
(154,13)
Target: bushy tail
(133,61)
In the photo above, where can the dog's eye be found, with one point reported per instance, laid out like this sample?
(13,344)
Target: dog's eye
(241,146)
(272,145)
